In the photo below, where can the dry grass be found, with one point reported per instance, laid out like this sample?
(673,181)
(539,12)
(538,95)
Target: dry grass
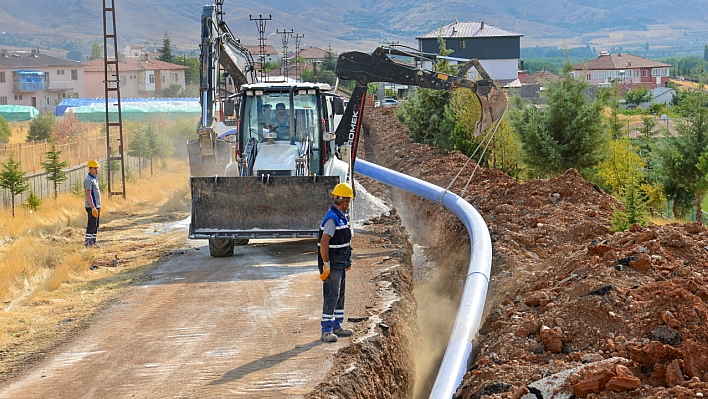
(46,275)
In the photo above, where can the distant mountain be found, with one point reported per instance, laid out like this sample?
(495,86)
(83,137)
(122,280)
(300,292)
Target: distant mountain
(360,25)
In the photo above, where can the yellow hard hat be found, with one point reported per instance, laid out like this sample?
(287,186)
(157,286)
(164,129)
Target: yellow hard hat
(343,190)
(92,164)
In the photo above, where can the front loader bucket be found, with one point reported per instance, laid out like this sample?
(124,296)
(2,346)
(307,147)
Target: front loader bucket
(259,207)
(208,165)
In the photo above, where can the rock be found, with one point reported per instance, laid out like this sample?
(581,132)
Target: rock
(522,332)
(531,325)
(695,359)
(527,240)
(591,357)
(623,384)
(692,228)
(552,338)
(666,335)
(593,382)
(519,392)
(598,250)
(534,298)
(642,264)
(601,291)
(674,375)
(645,236)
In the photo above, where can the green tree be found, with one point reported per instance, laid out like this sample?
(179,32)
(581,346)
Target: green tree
(683,159)
(40,128)
(635,209)
(568,134)
(158,144)
(637,96)
(655,197)
(33,202)
(648,125)
(426,113)
(139,147)
(166,49)
(5,131)
(54,167)
(330,60)
(705,52)
(174,90)
(12,179)
(96,51)
(621,165)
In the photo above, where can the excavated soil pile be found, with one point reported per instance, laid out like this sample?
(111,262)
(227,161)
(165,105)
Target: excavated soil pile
(573,310)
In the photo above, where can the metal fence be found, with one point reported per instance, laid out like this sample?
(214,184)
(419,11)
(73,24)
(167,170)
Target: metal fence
(75,152)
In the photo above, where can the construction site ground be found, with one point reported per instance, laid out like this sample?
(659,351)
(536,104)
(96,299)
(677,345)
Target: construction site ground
(572,309)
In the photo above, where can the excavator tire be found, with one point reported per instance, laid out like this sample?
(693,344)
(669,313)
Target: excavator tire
(240,241)
(221,247)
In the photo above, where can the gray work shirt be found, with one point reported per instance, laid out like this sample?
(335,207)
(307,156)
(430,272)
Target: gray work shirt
(91,183)
(329,227)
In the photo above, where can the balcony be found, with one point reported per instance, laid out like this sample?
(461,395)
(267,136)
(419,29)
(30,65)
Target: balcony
(60,86)
(27,81)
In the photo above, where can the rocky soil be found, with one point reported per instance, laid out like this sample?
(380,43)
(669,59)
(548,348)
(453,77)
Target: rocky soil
(573,310)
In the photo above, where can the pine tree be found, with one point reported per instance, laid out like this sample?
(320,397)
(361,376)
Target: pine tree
(5,131)
(568,134)
(166,49)
(12,178)
(139,147)
(96,52)
(635,209)
(53,166)
(682,160)
(41,127)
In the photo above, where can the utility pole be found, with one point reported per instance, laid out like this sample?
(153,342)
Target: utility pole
(261,25)
(112,85)
(285,35)
(298,37)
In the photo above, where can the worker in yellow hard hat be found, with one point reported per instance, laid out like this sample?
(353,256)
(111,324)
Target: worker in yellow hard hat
(334,260)
(92,203)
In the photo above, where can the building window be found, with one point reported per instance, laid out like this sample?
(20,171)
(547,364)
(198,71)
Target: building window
(659,72)
(74,74)
(18,97)
(636,73)
(151,78)
(3,100)
(644,73)
(62,71)
(122,81)
(58,72)
(47,100)
(162,77)
(589,77)
(175,78)
(2,77)
(462,44)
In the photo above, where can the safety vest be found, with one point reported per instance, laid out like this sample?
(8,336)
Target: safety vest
(340,243)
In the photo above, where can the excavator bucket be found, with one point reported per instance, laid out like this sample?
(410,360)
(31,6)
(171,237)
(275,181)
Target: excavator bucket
(253,207)
(492,100)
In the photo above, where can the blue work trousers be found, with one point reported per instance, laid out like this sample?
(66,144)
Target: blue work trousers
(333,308)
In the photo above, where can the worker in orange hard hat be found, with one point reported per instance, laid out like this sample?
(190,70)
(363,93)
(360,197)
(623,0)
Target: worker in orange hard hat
(334,261)
(92,203)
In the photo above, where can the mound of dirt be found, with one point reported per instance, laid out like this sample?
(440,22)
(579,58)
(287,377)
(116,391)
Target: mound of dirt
(572,308)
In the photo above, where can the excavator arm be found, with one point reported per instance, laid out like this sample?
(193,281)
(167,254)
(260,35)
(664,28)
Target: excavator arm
(366,68)
(218,46)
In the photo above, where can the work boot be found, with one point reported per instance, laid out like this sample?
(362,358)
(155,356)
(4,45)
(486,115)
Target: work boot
(341,332)
(328,337)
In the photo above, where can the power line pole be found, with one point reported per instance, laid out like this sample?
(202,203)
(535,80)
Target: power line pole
(112,86)
(285,35)
(261,25)
(298,37)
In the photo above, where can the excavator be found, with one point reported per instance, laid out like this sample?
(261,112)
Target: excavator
(271,174)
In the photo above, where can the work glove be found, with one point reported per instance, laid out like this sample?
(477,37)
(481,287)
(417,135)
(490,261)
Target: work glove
(94,212)
(325,271)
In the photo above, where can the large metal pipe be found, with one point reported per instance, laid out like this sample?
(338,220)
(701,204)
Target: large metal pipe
(469,313)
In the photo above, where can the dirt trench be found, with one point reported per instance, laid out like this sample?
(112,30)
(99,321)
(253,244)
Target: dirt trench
(573,310)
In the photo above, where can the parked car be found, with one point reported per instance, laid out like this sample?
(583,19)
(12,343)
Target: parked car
(390,102)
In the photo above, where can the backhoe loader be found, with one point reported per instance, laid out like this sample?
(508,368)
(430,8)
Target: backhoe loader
(293,141)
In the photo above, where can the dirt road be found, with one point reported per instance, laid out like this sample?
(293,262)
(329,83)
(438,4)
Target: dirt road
(198,327)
